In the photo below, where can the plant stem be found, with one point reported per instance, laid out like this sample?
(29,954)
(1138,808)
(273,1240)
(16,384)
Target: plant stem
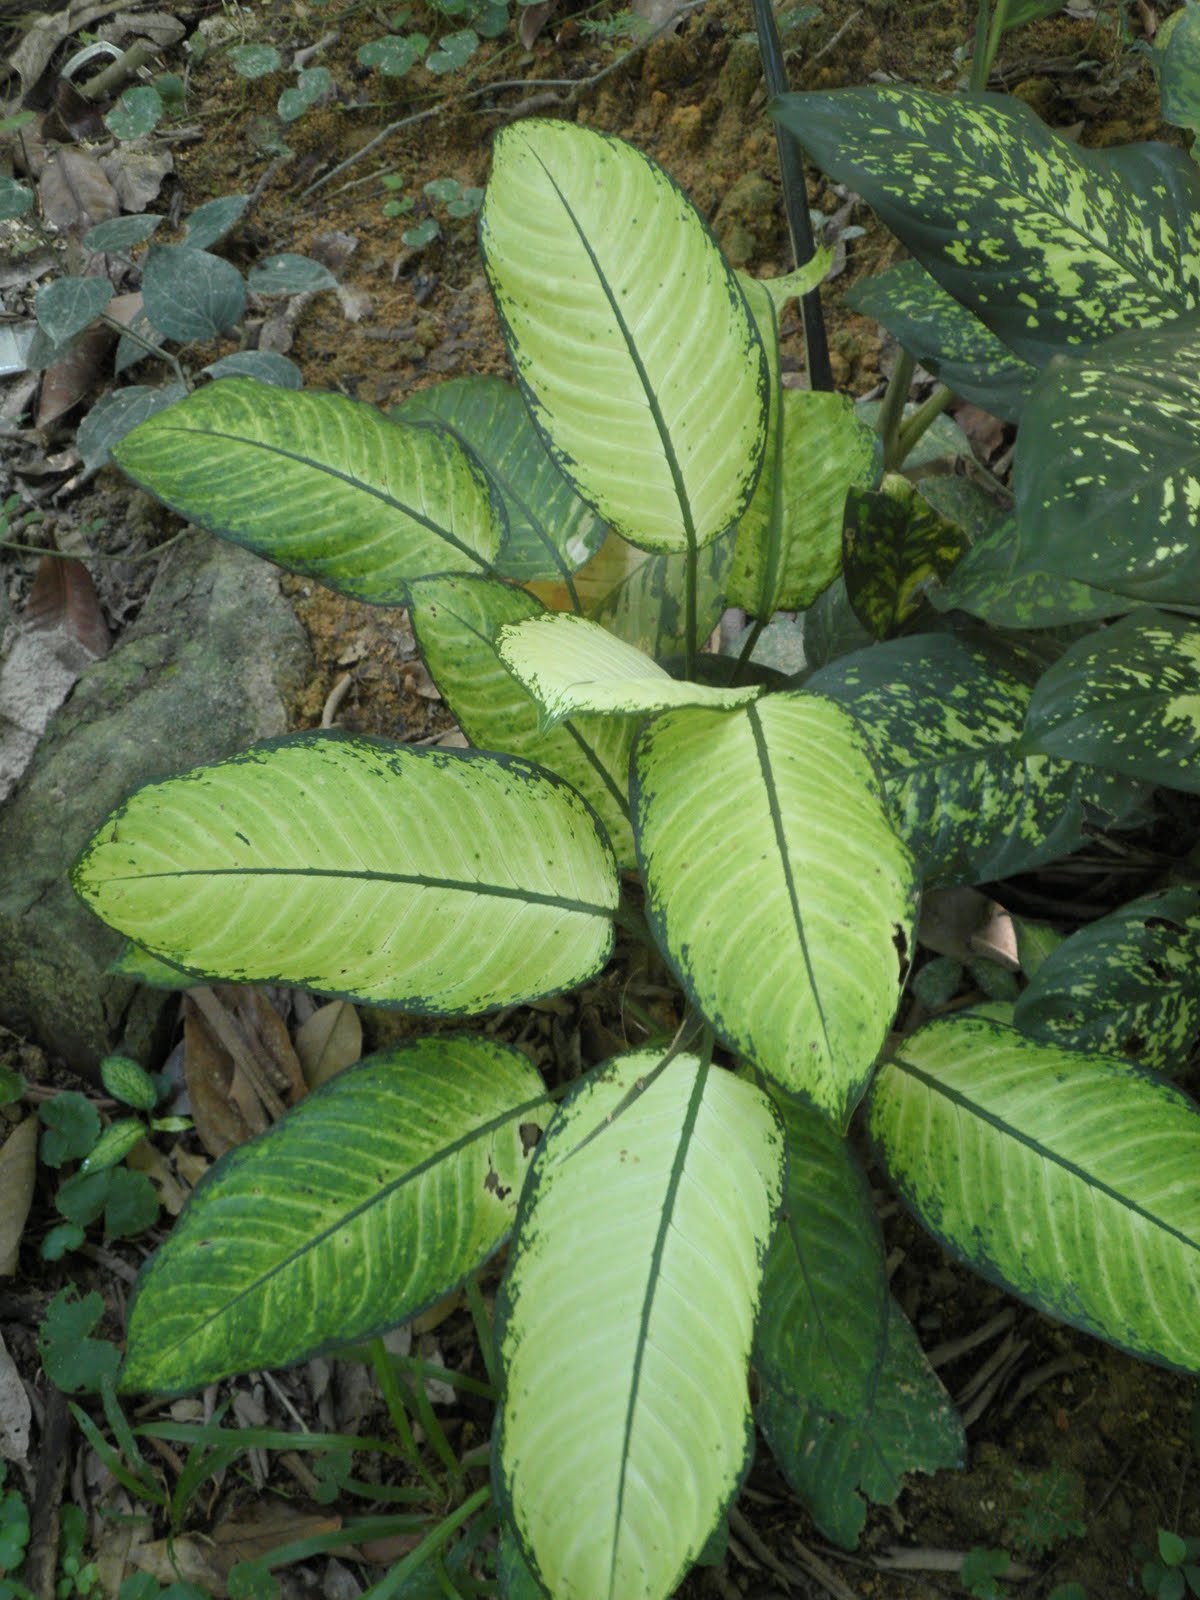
(689,608)
(913,427)
(989,27)
(891,413)
(795,198)
(752,638)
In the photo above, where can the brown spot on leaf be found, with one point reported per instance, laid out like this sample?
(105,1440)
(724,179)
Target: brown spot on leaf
(530,1135)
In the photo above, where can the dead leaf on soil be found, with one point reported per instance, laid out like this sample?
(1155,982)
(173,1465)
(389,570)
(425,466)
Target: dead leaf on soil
(18,1168)
(75,194)
(72,378)
(240,1068)
(330,1040)
(190,1559)
(159,27)
(63,601)
(267,1526)
(137,175)
(16,1413)
(47,31)
(533,20)
(171,1193)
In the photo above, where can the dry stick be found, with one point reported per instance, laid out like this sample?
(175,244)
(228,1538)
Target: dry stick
(577,86)
(125,66)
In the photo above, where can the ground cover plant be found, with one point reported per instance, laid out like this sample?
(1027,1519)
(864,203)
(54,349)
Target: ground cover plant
(693,1207)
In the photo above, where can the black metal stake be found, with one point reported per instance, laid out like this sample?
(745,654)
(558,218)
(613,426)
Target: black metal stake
(795,197)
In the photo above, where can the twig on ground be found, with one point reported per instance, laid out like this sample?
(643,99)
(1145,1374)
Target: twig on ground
(575,86)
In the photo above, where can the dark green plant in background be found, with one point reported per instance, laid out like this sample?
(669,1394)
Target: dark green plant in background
(962,714)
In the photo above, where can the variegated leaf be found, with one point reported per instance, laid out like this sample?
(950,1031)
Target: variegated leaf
(1053,246)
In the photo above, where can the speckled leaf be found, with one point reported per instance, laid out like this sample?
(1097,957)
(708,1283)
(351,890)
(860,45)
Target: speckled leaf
(794,945)
(1053,246)
(945,338)
(438,881)
(894,546)
(789,538)
(628,333)
(132,962)
(991,582)
(822,1328)
(1107,467)
(944,716)
(639,596)
(320,484)
(907,1424)
(456,621)
(1176,59)
(1127,984)
(376,1195)
(573,666)
(654,1193)
(1126,698)
(1069,1179)
(550,531)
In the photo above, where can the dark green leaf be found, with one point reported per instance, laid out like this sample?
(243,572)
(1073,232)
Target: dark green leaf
(823,1314)
(264,365)
(894,545)
(991,582)
(392,55)
(311,85)
(132,1205)
(72,1360)
(1126,698)
(1127,984)
(908,1425)
(12,1086)
(254,60)
(424,233)
(289,274)
(66,306)
(81,1198)
(213,220)
(945,715)
(829,627)
(135,114)
(551,532)
(1053,246)
(15,199)
(455,50)
(72,1126)
(128,1082)
(120,233)
(189,294)
(1107,467)
(945,338)
(1176,58)
(117,414)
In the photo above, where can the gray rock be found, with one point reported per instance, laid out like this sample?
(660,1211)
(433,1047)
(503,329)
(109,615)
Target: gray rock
(202,673)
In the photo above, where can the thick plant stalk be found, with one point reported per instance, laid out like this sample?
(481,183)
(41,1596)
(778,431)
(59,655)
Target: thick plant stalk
(795,198)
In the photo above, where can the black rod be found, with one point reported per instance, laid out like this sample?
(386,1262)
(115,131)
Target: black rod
(795,197)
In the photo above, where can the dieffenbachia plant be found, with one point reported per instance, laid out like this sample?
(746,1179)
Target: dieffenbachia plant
(693,1208)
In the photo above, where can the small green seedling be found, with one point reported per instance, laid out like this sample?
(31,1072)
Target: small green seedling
(1175,1571)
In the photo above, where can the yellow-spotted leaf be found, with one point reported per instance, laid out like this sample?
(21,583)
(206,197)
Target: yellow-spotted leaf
(320,484)
(1107,467)
(571,665)
(654,1193)
(1054,247)
(376,1195)
(944,716)
(777,886)
(895,546)
(1004,1148)
(629,335)
(1127,984)
(439,881)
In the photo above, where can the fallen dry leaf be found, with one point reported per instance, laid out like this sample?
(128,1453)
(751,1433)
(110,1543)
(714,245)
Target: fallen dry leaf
(47,31)
(137,175)
(72,378)
(191,1559)
(240,1068)
(63,600)
(264,1528)
(16,1413)
(330,1040)
(18,1167)
(171,1193)
(533,20)
(75,194)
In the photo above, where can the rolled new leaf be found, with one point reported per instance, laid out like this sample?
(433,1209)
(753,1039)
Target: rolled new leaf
(439,881)
(457,621)
(613,1383)
(572,665)
(1068,1178)
(795,943)
(376,1195)
(1052,246)
(320,484)
(627,331)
